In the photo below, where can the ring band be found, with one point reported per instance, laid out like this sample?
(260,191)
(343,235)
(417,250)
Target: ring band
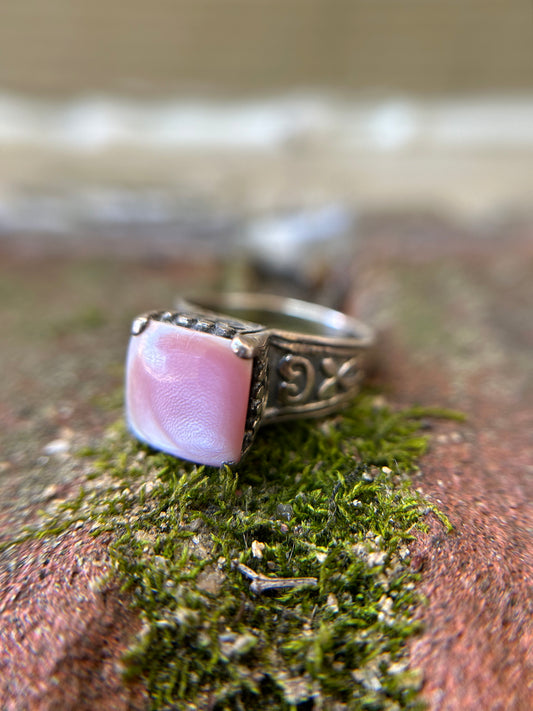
(200,380)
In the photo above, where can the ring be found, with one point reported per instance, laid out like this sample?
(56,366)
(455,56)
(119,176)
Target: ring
(200,380)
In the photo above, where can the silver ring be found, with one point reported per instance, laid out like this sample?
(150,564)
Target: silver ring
(201,379)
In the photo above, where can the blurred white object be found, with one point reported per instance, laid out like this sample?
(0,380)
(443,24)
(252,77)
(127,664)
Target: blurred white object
(96,123)
(297,241)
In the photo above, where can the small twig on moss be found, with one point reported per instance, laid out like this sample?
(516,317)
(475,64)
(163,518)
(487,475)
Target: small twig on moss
(261,583)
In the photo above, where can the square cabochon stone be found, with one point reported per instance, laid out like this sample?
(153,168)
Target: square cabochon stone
(187,393)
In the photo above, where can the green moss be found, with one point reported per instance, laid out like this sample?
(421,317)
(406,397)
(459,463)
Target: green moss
(328,500)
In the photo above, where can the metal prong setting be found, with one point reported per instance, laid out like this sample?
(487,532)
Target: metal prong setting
(248,345)
(139,324)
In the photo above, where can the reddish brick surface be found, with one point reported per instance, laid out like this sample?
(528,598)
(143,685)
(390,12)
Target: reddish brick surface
(473,352)
(63,628)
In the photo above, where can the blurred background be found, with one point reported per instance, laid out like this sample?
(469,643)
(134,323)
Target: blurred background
(205,129)
(310,147)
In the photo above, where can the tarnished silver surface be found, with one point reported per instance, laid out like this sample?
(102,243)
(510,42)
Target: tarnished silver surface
(307,358)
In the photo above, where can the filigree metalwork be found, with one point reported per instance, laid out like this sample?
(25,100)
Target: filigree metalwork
(257,399)
(196,321)
(341,376)
(298,379)
(306,380)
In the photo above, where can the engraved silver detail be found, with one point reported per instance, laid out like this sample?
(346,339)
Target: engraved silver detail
(298,379)
(340,377)
(310,379)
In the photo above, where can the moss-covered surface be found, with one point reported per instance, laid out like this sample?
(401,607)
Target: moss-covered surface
(326,500)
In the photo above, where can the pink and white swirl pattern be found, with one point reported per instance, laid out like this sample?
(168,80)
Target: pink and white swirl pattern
(187,393)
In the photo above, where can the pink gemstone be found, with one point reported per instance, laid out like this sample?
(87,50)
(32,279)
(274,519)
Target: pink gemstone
(187,393)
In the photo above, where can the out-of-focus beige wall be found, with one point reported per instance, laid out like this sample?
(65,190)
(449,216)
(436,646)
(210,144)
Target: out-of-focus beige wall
(259,105)
(420,46)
